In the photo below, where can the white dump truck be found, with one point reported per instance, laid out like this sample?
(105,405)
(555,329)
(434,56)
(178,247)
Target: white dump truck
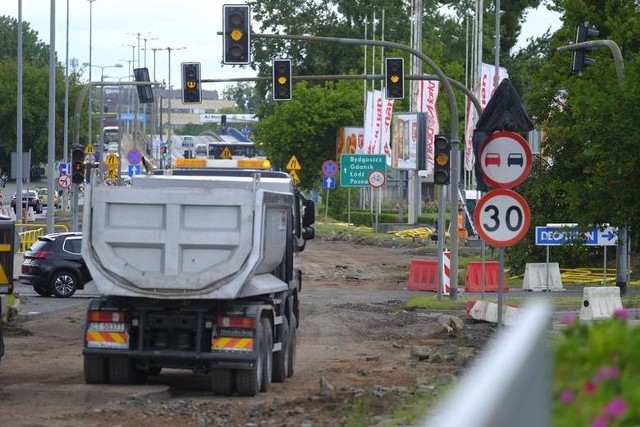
(196,268)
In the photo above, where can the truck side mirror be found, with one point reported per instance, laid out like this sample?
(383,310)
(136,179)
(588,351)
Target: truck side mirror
(309,214)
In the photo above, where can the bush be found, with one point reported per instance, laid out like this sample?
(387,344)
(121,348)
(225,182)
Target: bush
(596,375)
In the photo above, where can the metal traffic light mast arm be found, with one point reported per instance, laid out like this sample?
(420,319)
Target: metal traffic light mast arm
(455,174)
(615,51)
(323,77)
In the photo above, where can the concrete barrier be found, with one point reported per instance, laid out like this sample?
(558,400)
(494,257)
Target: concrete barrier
(600,302)
(536,274)
(488,312)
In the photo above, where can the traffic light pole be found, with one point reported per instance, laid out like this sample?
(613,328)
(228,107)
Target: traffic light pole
(615,51)
(622,248)
(453,107)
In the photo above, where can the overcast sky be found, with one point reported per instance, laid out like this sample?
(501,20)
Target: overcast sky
(119,27)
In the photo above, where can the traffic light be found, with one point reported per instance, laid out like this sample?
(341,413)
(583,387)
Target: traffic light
(237,33)
(281,79)
(442,160)
(191,88)
(77,165)
(578,59)
(145,93)
(394,77)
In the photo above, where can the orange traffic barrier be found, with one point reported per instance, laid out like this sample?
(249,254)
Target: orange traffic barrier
(423,275)
(473,279)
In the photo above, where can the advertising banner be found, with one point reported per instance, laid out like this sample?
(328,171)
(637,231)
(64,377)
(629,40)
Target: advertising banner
(407,133)
(487,86)
(349,140)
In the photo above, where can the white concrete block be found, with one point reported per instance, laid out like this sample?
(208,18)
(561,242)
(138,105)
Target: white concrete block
(600,302)
(488,312)
(535,277)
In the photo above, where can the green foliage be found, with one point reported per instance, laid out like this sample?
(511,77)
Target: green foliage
(595,373)
(307,125)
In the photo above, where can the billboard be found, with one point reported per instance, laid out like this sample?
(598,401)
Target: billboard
(408,141)
(349,140)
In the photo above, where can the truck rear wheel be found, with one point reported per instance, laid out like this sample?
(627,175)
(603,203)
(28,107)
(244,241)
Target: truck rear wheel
(222,382)
(293,333)
(121,370)
(96,370)
(281,358)
(250,382)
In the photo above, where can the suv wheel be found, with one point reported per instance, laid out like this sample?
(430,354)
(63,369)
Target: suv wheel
(44,291)
(64,284)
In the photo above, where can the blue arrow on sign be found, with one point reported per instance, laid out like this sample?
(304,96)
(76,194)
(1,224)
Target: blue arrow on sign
(134,170)
(328,182)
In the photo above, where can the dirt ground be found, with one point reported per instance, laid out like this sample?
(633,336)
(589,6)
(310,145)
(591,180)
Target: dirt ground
(359,354)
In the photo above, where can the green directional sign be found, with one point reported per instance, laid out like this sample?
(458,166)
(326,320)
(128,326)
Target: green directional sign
(356,168)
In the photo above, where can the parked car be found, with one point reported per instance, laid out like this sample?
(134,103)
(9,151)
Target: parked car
(30,198)
(201,149)
(43,193)
(53,265)
(187,142)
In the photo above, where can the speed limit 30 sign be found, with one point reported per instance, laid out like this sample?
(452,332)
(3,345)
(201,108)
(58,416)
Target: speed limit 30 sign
(502,217)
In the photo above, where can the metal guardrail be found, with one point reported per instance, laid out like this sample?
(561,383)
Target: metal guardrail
(511,382)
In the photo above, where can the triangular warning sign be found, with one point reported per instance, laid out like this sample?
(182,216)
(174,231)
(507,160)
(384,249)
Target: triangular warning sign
(226,153)
(293,164)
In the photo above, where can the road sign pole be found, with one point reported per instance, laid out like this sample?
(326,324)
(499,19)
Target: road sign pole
(326,206)
(74,208)
(500,285)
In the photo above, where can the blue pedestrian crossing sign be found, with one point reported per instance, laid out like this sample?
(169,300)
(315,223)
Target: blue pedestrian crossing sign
(328,182)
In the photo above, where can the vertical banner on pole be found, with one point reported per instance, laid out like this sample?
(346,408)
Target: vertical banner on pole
(446,272)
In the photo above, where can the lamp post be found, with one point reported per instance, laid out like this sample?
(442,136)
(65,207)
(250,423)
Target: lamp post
(134,126)
(154,126)
(102,68)
(90,50)
(169,49)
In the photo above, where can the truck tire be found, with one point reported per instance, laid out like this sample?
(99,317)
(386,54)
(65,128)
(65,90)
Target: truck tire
(251,381)
(121,370)
(281,358)
(222,382)
(96,370)
(293,340)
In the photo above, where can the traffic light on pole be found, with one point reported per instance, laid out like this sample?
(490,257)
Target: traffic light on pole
(237,33)
(281,79)
(191,87)
(578,59)
(394,77)
(77,165)
(442,160)
(145,93)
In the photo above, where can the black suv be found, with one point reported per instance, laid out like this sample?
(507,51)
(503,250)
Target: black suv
(53,265)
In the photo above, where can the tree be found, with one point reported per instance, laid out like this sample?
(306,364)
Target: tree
(244,95)
(35,106)
(589,122)
(307,125)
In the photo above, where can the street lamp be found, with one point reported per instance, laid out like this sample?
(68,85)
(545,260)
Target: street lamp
(169,49)
(102,68)
(90,50)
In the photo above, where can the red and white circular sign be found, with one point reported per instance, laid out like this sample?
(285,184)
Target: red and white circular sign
(64,181)
(502,217)
(377,178)
(505,159)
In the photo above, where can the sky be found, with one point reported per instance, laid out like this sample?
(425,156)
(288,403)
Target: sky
(120,29)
